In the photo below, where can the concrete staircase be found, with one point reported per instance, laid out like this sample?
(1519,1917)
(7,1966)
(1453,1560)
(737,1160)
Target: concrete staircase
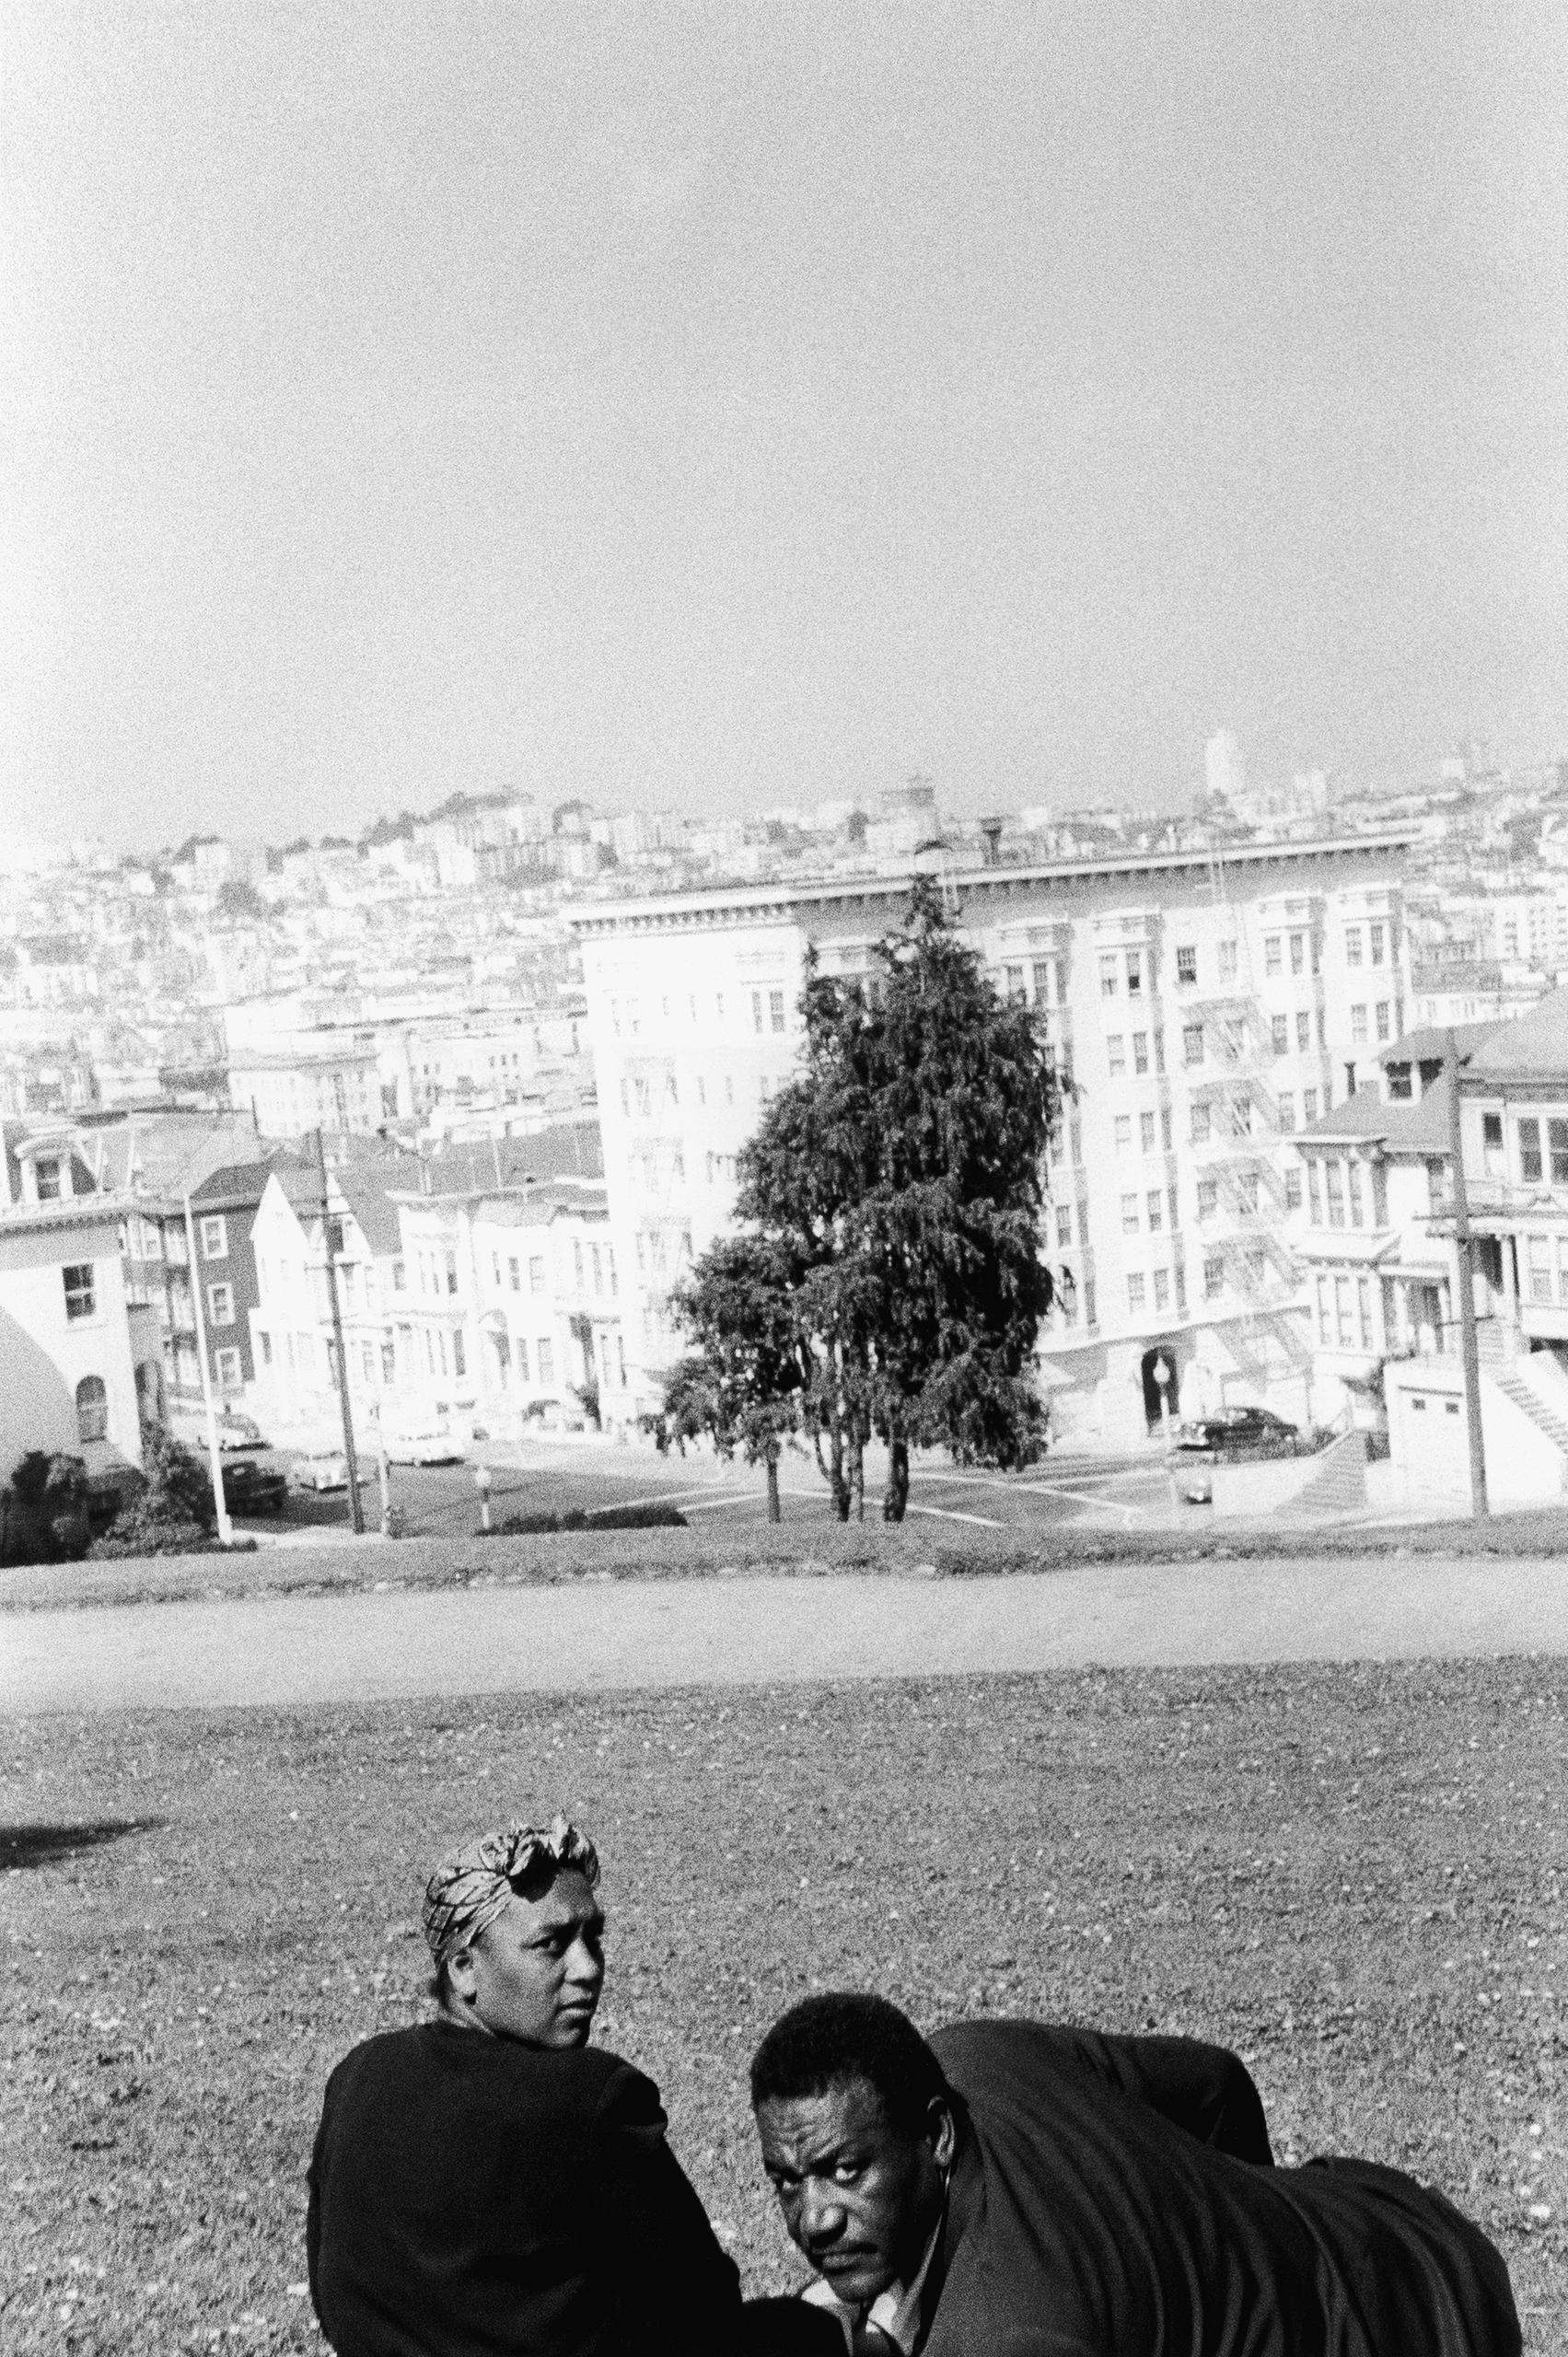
(1527,1399)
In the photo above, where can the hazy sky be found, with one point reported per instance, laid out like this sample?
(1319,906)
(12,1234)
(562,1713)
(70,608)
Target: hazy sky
(729,406)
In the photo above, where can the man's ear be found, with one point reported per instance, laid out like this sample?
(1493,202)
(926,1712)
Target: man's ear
(942,2132)
(461,1978)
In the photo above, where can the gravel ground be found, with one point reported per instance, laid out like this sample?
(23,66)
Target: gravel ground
(1353,1874)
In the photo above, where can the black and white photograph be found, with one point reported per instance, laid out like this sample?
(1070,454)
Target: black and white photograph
(783,1179)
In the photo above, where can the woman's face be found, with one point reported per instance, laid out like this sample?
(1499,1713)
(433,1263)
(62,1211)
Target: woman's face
(536,1972)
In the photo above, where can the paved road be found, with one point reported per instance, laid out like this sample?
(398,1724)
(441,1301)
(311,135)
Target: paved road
(297,1649)
(1125,1492)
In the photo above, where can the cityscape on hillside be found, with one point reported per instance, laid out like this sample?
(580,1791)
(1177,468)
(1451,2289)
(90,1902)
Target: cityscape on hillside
(531,1042)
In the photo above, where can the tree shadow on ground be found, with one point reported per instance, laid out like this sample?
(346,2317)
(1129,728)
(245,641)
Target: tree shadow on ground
(46,1845)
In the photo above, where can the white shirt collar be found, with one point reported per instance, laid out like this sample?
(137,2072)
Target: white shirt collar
(896,2311)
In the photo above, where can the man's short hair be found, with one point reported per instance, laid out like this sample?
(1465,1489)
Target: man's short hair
(835,2038)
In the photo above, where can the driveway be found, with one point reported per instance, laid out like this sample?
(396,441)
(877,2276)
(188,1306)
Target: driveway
(300,1649)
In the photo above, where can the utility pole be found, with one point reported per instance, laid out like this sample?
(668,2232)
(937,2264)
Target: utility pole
(355,1508)
(214,1462)
(1465,1244)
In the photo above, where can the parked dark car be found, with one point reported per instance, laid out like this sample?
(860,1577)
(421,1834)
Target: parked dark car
(249,1487)
(1241,1432)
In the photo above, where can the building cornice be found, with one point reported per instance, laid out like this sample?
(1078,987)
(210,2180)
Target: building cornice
(73,1211)
(783,904)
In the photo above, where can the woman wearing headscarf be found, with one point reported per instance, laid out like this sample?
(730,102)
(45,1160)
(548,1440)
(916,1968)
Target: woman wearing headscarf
(487,2181)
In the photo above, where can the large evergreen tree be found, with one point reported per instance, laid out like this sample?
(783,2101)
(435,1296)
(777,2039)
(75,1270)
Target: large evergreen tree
(892,1196)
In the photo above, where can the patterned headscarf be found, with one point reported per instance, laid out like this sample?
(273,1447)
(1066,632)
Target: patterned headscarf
(469,1889)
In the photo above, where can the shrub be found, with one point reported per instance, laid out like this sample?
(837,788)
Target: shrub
(173,1514)
(527,1526)
(43,1511)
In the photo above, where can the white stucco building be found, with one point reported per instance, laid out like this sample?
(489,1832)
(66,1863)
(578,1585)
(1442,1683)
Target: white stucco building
(70,1349)
(1204,1009)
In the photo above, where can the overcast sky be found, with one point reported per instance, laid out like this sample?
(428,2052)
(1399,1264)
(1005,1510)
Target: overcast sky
(723,406)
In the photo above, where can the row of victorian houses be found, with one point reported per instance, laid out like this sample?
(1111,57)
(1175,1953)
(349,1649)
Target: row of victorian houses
(476,1284)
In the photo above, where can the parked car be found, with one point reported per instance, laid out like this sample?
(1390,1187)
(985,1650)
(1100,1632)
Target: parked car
(250,1488)
(1240,1432)
(236,1431)
(320,1468)
(423,1448)
(1239,1436)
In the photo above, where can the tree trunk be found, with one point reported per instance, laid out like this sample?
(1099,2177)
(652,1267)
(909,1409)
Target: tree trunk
(897,1491)
(857,1474)
(773,1514)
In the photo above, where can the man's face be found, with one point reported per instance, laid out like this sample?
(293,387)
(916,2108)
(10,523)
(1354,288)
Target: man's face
(859,2198)
(536,1973)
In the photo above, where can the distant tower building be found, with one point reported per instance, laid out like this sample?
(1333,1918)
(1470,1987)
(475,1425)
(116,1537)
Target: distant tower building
(1224,771)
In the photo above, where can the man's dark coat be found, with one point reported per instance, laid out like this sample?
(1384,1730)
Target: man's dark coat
(1117,2198)
(471,2195)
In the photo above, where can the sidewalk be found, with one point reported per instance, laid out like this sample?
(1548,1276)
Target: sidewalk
(281,1650)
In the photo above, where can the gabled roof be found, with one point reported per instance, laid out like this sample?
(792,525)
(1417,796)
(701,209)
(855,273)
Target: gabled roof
(170,1153)
(367,1183)
(1430,1044)
(1533,1047)
(565,1150)
(1419,1127)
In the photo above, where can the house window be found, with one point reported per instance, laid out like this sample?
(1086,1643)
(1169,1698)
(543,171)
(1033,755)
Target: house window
(1334,1183)
(1529,1150)
(1293,1191)
(598,1260)
(1344,1330)
(400,1276)
(92,1409)
(1353,1169)
(452,1273)
(1376,936)
(1557,1143)
(1147,1131)
(1247,1193)
(215,1238)
(1213,1278)
(515,1274)
(1063,1223)
(388,1365)
(577,1267)
(1540,1268)
(1303,1033)
(1187,963)
(1280,1032)
(1274,962)
(1202,1124)
(46,1180)
(536,1274)
(1381,1012)
(1287,1110)
(1140,1051)
(229,1374)
(1109,978)
(1363,1309)
(546,1359)
(1123,1133)
(1492,1143)
(266,1342)
(220,1304)
(1116,1055)
(1310,1105)
(1135,973)
(1208,1198)
(1130,1215)
(1439,1195)
(1352,945)
(81,1300)
(496,1268)
(1135,1291)
(1193,1043)
(1315,1192)
(1324,1326)
(1013,985)
(1162,1288)
(1358,1023)
(756,1011)
(1156,1209)
(1043,979)
(1298,952)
